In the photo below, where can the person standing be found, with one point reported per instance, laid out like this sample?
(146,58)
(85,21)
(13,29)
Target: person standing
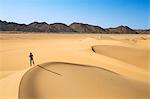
(31,59)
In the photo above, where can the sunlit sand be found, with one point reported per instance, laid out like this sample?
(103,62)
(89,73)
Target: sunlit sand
(75,66)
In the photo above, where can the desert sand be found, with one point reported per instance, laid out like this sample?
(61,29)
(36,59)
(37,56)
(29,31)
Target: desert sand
(67,67)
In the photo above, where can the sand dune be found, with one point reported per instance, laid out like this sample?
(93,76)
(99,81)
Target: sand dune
(118,69)
(9,86)
(78,82)
(137,57)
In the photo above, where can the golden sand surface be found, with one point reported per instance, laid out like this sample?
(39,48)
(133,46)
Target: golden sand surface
(116,68)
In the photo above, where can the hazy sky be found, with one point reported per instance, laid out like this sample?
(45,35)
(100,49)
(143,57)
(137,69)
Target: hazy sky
(105,13)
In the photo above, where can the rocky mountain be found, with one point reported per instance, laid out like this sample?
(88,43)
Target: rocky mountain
(41,27)
(86,28)
(60,27)
(11,26)
(122,30)
(56,27)
(34,27)
(146,31)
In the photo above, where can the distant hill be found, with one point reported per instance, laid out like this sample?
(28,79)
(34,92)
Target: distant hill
(60,27)
(85,28)
(11,26)
(146,31)
(63,28)
(56,27)
(122,30)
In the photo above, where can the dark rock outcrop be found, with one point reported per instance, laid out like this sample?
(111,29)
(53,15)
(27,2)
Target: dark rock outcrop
(146,31)
(63,28)
(56,27)
(86,28)
(11,26)
(34,27)
(60,27)
(122,30)
(41,27)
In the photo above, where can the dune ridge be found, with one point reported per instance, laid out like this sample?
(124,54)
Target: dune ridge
(137,57)
(69,70)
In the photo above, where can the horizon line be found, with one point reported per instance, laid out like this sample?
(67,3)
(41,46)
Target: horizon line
(74,22)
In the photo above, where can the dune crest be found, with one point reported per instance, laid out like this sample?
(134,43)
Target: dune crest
(78,81)
(137,57)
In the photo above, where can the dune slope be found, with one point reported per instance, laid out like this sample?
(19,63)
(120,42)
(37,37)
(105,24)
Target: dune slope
(137,57)
(74,81)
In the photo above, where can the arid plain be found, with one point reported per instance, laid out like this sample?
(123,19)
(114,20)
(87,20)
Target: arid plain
(75,66)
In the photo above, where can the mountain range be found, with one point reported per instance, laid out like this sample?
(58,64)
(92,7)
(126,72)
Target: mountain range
(63,28)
